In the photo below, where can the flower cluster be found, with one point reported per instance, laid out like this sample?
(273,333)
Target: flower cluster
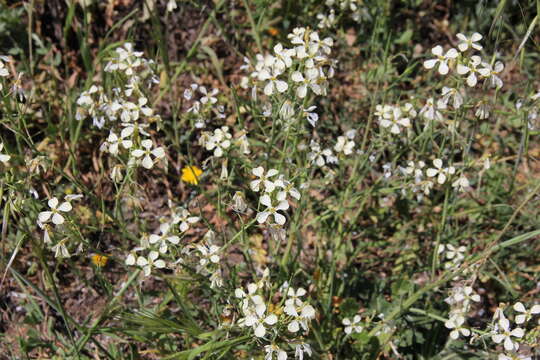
(350,9)
(281,326)
(126,109)
(395,117)
(204,109)
(469,69)
(460,300)
(56,216)
(276,191)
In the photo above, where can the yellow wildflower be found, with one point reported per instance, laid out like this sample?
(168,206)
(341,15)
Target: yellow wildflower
(99,260)
(190,174)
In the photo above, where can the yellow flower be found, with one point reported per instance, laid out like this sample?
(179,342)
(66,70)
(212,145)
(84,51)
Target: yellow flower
(99,260)
(190,174)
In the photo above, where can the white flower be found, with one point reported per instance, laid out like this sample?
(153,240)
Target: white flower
(146,151)
(3,157)
(209,97)
(456,324)
(162,239)
(471,69)
(465,43)
(392,118)
(309,81)
(287,188)
(184,218)
(272,210)
(440,172)
(113,143)
(219,141)
(171,5)
(283,57)
(504,334)
(344,145)
(491,73)
(258,321)
(430,111)
(209,254)
(271,74)
(441,59)
(450,93)
(54,213)
(513,357)
(151,261)
(525,315)
(251,299)
(461,183)
(300,349)
(263,178)
(60,250)
(273,348)
(320,157)
(312,117)
(352,326)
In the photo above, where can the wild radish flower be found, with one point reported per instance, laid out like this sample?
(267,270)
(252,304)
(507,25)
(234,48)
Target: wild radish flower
(491,74)
(271,76)
(352,326)
(465,295)
(293,301)
(465,43)
(482,110)
(504,335)
(430,111)
(455,323)
(525,315)
(54,213)
(441,59)
(456,254)
(208,97)
(311,116)
(60,249)
(273,348)
(184,218)
(239,202)
(113,143)
(3,70)
(272,210)
(300,349)
(3,157)
(219,141)
(309,81)
(147,263)
(283,56)
(393,119)
(471,68)
(287,188)
(320,157)
(171,5)
(344,145)
(164,238)
(147,151)
(461,184)
(208,254)
(263,178)
(191,174)
(450,94)
(259,321)
(440,172)
(250,299)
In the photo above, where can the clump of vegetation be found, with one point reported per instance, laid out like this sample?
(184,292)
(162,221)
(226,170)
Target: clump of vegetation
(269,180)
